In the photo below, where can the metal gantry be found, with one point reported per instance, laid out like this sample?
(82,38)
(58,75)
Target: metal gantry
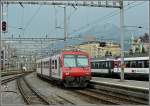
(91,3)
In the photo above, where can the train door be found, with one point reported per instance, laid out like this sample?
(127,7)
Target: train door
(41,67)
(56,68)
(117,66)
(52,68)
(59,68)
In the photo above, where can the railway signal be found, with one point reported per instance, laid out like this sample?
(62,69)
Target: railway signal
(4,26)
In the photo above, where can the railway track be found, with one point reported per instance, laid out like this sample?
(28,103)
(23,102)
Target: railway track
(117,94)
(4,81)
(96,98)
(13,77)
(30,94)
(99,93)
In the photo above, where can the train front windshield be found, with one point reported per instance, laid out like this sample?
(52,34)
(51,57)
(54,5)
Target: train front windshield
(75,61)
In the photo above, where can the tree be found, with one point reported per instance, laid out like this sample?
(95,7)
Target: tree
(136,50)
(143,50)
(130,52)
(144,38)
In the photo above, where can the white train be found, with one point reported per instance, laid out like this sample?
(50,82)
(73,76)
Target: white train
(135,67)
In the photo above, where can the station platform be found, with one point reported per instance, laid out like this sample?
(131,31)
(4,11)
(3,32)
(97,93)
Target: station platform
(125,83)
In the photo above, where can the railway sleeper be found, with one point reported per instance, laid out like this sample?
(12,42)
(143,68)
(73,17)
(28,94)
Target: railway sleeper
(97,97)
(123,98)
(134,96)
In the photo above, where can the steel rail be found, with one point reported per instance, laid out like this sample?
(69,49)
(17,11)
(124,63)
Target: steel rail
(10,79)
(33,90)
(22,92)
(96,97)
(42,97)
(136,95)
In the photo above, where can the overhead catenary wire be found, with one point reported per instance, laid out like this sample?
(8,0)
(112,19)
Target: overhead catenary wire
(32,17)
(107,16)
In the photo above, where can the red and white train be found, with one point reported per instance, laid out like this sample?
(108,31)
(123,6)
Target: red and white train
(70,68)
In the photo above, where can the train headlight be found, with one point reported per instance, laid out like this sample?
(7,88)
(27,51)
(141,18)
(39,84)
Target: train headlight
(87,73)
(67,73)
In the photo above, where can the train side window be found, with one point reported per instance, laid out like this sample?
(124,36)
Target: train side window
(100,65)
(146,64)
(96,65)
(104,65)
(47,64)
(140,64)
(133,64)
(92,65)
(109,64)
(55,64)
(50,64)
(127,63)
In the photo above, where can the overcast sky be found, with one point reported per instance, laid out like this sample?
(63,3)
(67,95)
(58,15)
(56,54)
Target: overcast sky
(41,20)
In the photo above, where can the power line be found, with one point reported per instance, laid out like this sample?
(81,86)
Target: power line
(31,19)
(109,15)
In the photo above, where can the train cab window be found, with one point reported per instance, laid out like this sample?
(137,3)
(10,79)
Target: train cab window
(70,61)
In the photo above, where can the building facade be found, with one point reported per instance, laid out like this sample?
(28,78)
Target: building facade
(138,46)
(98,49)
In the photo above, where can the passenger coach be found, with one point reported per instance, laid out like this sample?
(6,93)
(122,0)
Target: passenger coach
(70,68)
(135,67)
